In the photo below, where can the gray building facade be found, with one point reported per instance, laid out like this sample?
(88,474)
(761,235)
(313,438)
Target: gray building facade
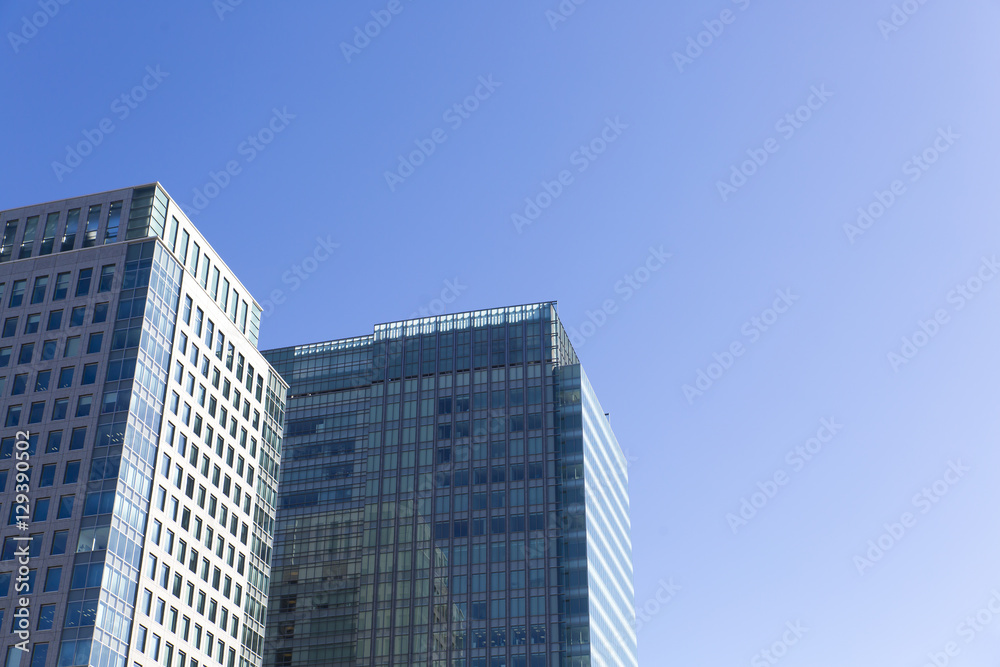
(140,443)
(451,495)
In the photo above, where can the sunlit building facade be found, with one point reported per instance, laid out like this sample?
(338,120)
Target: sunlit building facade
(451,495)
(147,427)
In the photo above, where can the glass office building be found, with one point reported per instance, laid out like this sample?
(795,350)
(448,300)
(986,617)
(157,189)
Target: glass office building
(451,495)
(140,443)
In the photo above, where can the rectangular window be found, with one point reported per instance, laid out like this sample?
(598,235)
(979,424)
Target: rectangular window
(42,380)
(94,344)
(32,323)
(62,286)
(72,348)
(7,246)
(55,320)
(72,224)
(38,291)
(77,438)
(41,512)
(195,255)
(114,221)
(65,507)
(185,237)
(30,229)
(17,293)
(83,406)
(89,374)
(53,575)
(107,278)
(49,234)
(9,327)
(100,313)
(77,316)
(83,282)
(60,408)
(93,222)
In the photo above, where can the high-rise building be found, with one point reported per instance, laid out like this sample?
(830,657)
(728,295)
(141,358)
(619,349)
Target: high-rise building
(140,441)
(451,495)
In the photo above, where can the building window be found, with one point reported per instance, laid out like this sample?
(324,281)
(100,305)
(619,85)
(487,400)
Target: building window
(83,406)
(38,291)
(17,293)
(72,224)
(72,348)
(93,222)
(59,408)
(107,278)
(83,282)
(114,221)
(36,412)
(100,313)
(53,576)
(7,246)
(27,351)
(30,229)
(65,507)
(62,286)
(94,344)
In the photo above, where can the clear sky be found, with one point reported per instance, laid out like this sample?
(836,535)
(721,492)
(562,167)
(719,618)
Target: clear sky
(617,139)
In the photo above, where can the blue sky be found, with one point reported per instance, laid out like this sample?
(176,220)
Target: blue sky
(629,153)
